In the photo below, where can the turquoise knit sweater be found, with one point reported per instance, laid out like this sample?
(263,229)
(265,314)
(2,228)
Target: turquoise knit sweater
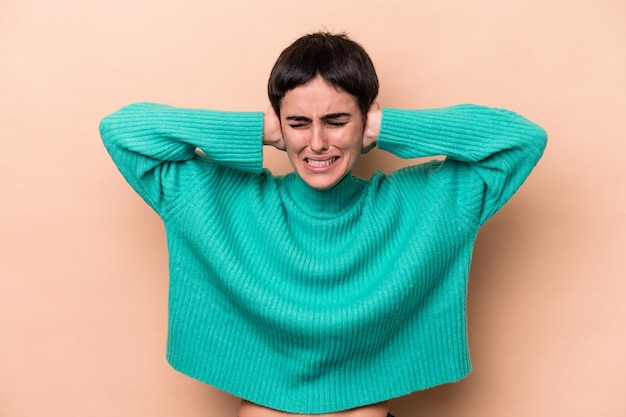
(314,301)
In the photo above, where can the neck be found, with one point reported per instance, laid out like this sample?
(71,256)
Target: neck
(324,202)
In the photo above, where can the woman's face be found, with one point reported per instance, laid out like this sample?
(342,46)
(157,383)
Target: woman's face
(322,128)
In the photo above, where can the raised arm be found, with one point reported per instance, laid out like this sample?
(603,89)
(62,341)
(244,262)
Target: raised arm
(152,143)
(489,151)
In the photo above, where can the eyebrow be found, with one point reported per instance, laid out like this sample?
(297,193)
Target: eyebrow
(323,118)
(335,116)
(298,119)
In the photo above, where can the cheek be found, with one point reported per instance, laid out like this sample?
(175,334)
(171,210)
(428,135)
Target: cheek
(352,141)
(293,141)
(294,145)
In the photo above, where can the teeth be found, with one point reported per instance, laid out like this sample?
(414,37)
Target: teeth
(320,164)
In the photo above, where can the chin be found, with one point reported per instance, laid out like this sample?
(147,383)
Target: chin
(321,183)
(322,180)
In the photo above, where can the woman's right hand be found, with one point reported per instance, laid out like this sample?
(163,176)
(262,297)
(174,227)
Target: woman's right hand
(272,133)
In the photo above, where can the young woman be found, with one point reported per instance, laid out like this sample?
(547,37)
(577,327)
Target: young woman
(319,292)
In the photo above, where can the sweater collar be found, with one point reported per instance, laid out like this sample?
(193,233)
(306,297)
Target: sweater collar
(320,202)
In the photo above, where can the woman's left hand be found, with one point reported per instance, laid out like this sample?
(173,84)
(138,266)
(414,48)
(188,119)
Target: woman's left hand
(272,133)
(372,127)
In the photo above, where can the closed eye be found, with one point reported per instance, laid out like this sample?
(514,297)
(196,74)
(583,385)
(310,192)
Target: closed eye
(336,124)
(334,120)
(337,119)
(298,122)
(299,125)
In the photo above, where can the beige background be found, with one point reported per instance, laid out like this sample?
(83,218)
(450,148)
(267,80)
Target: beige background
(83,280)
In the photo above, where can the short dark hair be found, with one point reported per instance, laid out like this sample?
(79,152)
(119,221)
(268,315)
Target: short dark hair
(340,61)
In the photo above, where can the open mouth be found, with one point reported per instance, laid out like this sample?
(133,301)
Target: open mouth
(321,163)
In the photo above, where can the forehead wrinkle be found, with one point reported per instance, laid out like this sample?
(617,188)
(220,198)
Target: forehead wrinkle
(318,100)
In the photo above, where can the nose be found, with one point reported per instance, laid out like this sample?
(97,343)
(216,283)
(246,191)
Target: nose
(318,142)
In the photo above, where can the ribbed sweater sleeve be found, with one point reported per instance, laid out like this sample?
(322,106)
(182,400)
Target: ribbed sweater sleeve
(489,151)
(149,141)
